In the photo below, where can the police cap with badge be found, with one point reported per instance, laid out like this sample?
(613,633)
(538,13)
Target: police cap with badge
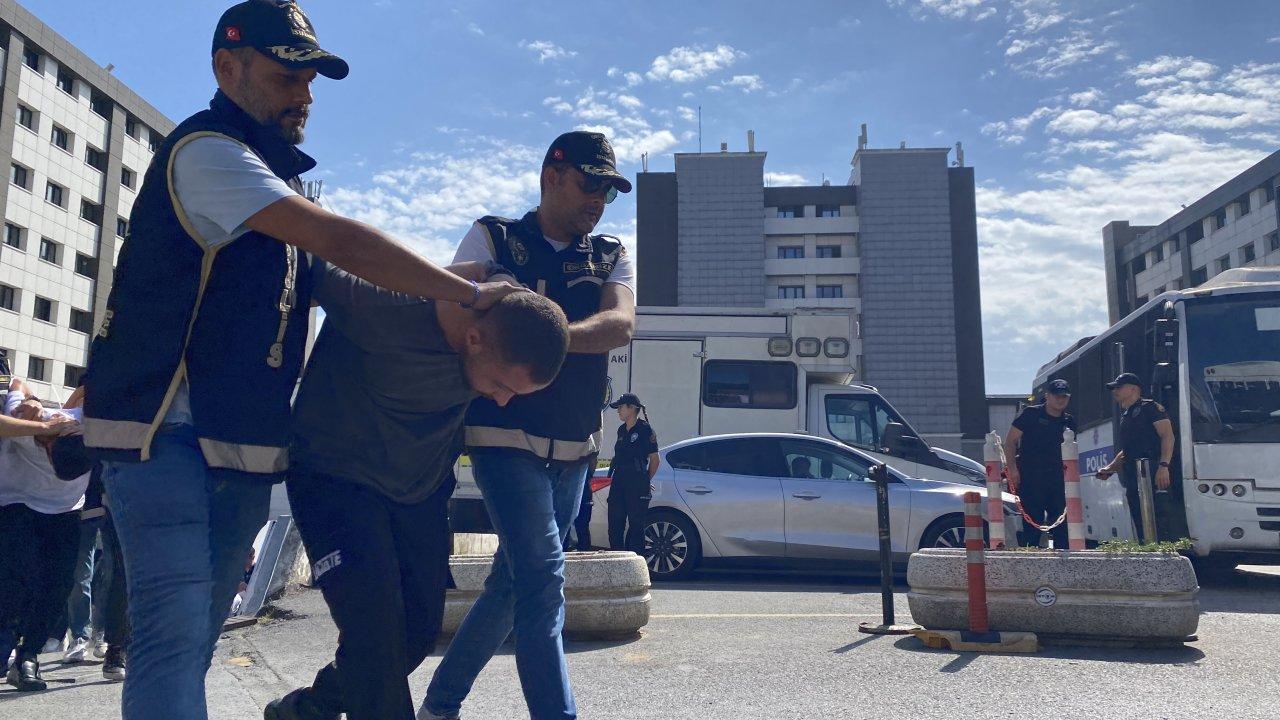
(281,31)
(592,155)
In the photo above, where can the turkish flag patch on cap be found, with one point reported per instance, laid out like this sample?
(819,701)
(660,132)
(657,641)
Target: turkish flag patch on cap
(233,33)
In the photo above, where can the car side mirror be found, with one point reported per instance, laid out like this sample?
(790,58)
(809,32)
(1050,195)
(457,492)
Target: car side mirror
(901,442)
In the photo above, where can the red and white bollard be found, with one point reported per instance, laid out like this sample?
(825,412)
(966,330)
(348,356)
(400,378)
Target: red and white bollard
(1071,477)
(976,563)
(993,457)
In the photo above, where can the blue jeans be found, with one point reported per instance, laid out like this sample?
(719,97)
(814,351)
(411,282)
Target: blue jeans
(78,605)
(532,507)
(185,531)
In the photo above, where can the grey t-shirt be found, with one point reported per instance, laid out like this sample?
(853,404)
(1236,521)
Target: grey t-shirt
(383,395)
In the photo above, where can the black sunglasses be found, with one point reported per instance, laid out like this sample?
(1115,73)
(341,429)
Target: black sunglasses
(592,184)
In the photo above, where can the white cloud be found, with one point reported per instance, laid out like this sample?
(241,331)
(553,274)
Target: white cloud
(547,50)
(1085,98)
(1275,39)
(950,9)
(784,179)
(687,114)
(474,29)
(621,117)
(1167,69)
(1080,122)
(687,64)
(745,83)
(1013,132)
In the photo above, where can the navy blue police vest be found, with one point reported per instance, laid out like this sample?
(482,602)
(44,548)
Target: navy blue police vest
(231,321)
(557,422)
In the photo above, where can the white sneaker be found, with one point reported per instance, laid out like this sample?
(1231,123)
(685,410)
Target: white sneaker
(99,644)
(52,645)
(76,650)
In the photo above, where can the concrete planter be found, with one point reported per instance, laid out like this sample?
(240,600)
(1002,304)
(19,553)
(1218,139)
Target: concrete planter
(606,593)
(1085,594)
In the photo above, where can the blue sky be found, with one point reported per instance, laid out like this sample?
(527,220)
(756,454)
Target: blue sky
(1072,113)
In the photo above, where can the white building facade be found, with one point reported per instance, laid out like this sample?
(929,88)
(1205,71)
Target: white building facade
(78,145)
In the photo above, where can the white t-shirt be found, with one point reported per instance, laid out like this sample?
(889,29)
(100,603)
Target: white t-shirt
(26,475)
(475,247)
(220,185)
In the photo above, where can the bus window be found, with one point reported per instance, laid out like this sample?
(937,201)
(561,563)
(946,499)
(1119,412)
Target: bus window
(1233,372)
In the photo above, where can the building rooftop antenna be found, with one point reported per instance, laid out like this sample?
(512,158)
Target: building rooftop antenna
(699,129)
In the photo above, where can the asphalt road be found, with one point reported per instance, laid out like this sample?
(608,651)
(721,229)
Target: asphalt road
(755,646)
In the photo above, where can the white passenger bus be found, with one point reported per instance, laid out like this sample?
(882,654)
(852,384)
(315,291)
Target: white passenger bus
(1211,356)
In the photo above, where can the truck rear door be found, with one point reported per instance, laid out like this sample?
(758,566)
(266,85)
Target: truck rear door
(667,375)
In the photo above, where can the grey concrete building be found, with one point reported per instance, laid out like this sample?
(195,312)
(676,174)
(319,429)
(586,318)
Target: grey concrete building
(77,142)
(896,247)
(1235,225)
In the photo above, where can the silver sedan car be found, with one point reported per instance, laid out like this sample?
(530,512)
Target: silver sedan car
(785,501)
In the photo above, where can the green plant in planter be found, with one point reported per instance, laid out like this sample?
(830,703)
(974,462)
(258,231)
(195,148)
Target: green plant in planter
(1133,546)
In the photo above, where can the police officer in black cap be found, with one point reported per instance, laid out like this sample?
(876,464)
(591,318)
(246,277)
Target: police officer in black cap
(635,462)
(1145,432)
(1036,475)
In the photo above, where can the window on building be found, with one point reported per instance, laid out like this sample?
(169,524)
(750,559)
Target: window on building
(1138,265)
(128,178)
(791,292)
(31,58)
(90,211)
(1222,264)
(1219,218)
(1199,276)
(1242,202)
(1273,242)
(26,117)
(86,266)
(792,211)
(49,250)
(13,236)
(749,384)
(1175,285)
(1247,254)
(20,176)
(828,211)
(154,141)
(828,251)
(61,137)
(37,369)
(830,291)
(95,158)
(72,376)
(1159,254)
(1175,244)
(790,252)
(132,128)
(66,83)
(43,309)
(1195,233)
(9,298)
(55,194)
(81,321)
(122,227)
(101,105)
(1269,191)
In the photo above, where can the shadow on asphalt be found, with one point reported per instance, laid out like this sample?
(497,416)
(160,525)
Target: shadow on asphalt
(1240,591)
(572,645)
(779,581)
(1182,655)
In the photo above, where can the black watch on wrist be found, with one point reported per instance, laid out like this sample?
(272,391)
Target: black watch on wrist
(1164,464)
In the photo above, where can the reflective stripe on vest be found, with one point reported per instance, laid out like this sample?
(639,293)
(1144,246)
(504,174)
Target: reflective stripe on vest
(561,450)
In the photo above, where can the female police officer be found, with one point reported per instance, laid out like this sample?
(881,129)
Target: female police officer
(635,462)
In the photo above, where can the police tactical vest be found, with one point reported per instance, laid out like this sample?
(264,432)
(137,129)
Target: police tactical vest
(555,423)
(231,320)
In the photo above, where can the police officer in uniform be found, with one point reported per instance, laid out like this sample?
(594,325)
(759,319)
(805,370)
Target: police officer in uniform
(635,462)
(1145,432)
(1036,476)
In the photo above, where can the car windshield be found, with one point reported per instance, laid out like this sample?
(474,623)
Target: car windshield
(1234,369)
(858,420)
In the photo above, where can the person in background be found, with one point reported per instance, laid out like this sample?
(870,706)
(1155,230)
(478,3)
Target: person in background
(1036,474)
(635,462)
(580,538)
(39,531)
(1146,433)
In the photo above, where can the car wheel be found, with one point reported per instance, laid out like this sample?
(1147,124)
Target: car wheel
(947,532)
(671,546)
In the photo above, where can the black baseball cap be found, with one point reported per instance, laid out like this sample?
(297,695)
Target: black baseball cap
(1059,387)
(626,399)
(281,31)
(589,152)
(1124,379)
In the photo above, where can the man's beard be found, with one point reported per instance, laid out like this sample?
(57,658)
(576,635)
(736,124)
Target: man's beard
(274,121)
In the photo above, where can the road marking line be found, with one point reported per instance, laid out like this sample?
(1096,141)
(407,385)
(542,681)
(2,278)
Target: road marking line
(728,616)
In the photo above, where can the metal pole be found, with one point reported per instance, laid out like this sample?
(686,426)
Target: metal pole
(1146,499)
(880,475)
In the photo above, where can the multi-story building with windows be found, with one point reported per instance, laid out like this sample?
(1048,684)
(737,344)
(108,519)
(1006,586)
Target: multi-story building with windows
(1235,225)
(77,143)
(896,247)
